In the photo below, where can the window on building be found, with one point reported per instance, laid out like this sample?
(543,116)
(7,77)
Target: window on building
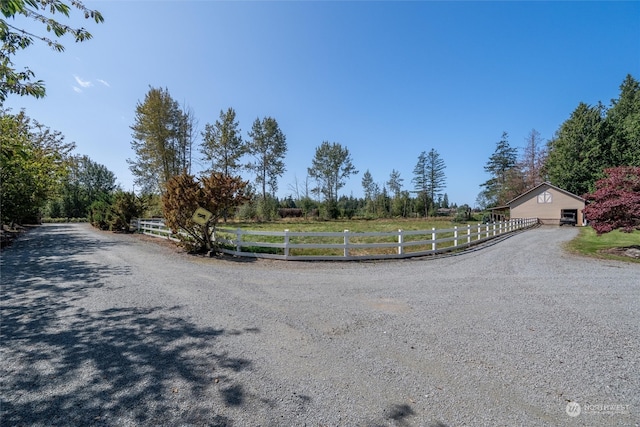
(545,197)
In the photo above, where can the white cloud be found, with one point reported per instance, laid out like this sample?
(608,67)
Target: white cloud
(104,82)
(77,89)
(83,83)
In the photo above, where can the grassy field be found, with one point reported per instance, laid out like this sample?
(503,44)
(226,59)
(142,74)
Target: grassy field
(354,226)
(590,244)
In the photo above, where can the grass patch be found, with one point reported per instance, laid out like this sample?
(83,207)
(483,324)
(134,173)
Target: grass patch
(588,243)
(338,226)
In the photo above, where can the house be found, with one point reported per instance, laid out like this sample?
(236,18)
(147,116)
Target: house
(549,204)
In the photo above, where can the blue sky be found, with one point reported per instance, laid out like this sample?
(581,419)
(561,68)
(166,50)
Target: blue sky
(387,80)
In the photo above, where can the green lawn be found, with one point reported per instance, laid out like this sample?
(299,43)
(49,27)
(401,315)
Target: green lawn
(590,244)
(355,226)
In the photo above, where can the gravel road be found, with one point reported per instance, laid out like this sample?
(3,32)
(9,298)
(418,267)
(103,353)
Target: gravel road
(115,330)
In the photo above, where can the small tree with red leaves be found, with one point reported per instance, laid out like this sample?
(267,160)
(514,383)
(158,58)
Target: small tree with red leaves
(616,202)
(184,194)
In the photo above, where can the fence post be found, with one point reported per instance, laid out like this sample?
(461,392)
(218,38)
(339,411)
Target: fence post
(286,243)
(455,236)
(400,242)
(433,239)
(238,237)
(487,230)
(468,233)
(494,228)
(346,243)
(479,232)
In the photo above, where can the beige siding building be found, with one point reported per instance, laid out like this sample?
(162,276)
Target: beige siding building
(548,203)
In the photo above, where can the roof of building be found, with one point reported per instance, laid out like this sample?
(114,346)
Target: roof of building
(546,183)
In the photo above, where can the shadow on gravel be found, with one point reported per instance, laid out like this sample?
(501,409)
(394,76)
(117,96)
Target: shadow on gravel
(64,365)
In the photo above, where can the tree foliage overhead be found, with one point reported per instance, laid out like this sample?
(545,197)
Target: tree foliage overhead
(615,204)
(34,165)
(14,39)
(215,193)
(161,141)
(268,146)
(222,145)
(330,167)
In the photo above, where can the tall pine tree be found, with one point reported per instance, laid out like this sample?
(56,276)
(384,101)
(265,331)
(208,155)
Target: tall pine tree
(501,167)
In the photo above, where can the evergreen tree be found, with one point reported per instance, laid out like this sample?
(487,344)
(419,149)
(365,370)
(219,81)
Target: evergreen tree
(579,153)
(436,178)
(623,123)
(429,178)
(368,186)
(395,183)
(420,181)
(501,167)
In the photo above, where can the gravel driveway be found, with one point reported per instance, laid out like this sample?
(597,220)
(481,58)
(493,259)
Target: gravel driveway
(114,330)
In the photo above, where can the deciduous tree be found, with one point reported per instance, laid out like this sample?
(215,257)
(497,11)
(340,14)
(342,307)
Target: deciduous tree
(532,161)
(87,182)
(268,147)
(215,193)
(330,167)
(615,204)
(158,141)
(34,166)
(222,145)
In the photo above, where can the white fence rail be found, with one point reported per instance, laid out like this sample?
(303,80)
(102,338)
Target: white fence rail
(346,245)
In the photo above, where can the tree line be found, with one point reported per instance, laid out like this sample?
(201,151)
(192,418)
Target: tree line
(591,141)
(164,135)
(41,175)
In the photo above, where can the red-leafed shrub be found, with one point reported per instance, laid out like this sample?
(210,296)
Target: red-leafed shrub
(184,194)
(616,202)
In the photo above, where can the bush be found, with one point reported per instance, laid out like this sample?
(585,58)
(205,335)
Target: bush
(100,214)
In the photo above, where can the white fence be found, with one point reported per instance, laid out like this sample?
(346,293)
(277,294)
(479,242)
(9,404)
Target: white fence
(346,245)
